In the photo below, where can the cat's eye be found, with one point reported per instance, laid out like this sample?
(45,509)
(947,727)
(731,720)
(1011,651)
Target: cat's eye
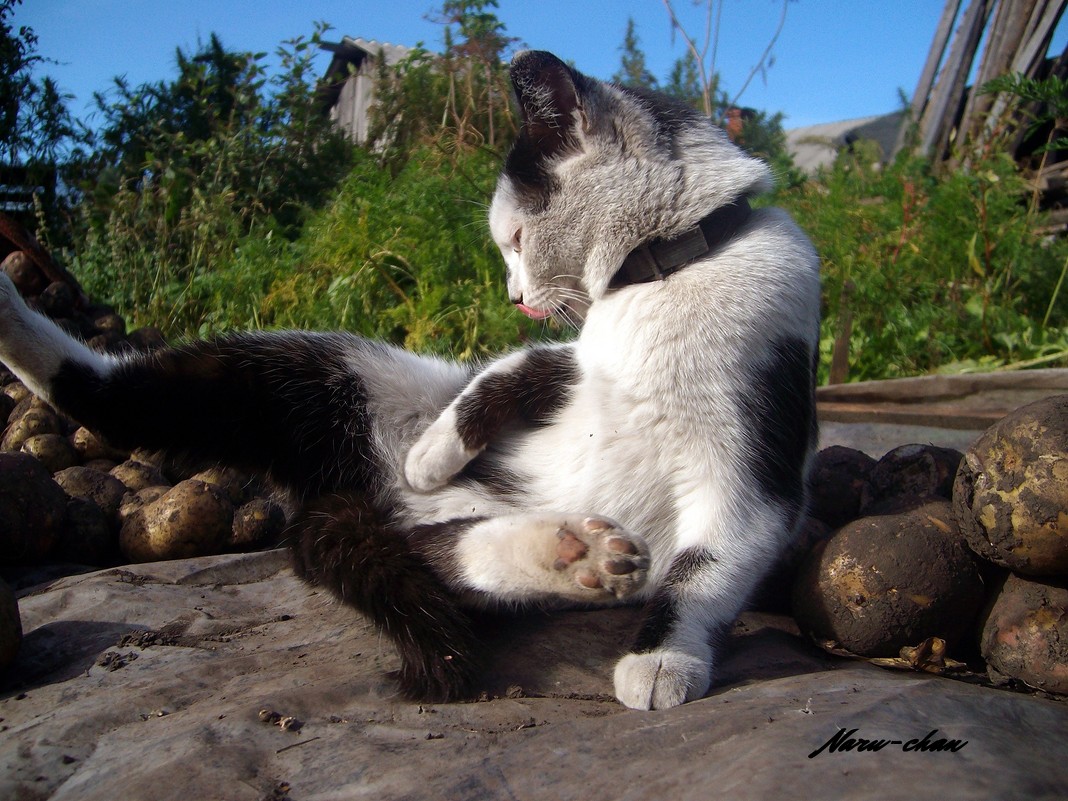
(517,239)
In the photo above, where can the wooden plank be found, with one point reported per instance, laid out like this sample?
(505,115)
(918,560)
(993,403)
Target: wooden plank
(1031,52)
(934,415)
(937,122)
(926,388)
(969,402)
(1006,33)
(930,70)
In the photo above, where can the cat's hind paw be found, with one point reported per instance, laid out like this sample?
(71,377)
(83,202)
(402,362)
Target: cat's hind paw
(550,558)
(661,679)
(437,456)
(599,556)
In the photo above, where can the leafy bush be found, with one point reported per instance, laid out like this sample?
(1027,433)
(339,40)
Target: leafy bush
(941,270)
(181,171)
(407,259)
(404,258)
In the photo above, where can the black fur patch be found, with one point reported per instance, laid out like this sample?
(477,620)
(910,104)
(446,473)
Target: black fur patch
(284,404)
(486,471)
(342,543)
(780,406)
(661,611)
(531,393)
(548,93)
(530,175)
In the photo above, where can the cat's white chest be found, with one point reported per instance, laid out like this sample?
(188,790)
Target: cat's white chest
(614,448)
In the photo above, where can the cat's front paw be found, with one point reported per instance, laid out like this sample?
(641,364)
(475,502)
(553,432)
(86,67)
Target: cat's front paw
(661,679)
(437,456)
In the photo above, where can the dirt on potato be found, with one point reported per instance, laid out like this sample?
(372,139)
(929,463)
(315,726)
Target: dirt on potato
(1011,491)
(1025,633)
(884,582)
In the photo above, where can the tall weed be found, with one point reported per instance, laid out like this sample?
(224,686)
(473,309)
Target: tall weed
(405,259)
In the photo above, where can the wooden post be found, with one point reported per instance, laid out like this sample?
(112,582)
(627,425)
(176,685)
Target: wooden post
(1030,53)
(1010,23)
(840,352)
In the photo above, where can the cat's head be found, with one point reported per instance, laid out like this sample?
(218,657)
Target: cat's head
(596,171)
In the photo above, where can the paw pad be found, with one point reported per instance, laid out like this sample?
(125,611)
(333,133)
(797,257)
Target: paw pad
(569,550)
(598,555)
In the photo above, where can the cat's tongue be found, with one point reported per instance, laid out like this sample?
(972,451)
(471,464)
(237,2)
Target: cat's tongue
(533,314)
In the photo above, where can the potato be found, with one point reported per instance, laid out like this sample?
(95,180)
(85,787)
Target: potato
(17,391)
(1011,491)
(840,482)
(90,446)
(133,501)
(25,275)
(51,450)
(1025,633)
(57,300)
(233,482)
(138,475)
(257,522)
(110,322)
(32,509)
(884,582)
(36,420)
(104,490)
(88,537)
(108,342)
(775,591)
(193,518)
(914,471)
(146,339)
(10,626)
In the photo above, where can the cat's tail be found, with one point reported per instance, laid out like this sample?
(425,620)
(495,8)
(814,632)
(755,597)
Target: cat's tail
(341,543)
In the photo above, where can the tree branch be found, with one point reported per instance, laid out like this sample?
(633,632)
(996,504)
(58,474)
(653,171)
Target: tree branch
(764,56)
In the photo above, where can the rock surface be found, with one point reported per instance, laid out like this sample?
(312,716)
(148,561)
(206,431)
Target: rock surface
(147,682)
(10,626)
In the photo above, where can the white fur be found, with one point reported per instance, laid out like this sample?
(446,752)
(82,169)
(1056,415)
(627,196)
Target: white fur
(437,455)
(34,348)
(512,558)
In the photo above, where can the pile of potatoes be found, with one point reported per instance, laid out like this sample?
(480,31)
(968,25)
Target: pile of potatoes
(66,496)
(927,542)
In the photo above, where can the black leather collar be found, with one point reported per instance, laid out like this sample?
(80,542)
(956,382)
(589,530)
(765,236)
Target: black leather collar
(659,258)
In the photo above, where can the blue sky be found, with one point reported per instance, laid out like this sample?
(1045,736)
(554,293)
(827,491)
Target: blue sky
(834,59)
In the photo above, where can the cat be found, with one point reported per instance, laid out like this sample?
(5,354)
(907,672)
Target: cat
(660,458)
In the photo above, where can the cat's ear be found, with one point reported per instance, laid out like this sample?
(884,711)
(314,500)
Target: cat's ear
(550,100)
